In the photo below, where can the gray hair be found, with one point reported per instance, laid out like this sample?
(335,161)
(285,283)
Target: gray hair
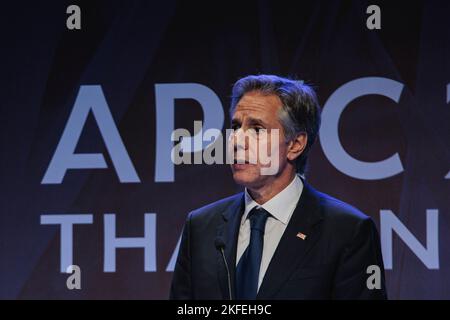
(300,112)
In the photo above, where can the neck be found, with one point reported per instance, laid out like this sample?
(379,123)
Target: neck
(270,190)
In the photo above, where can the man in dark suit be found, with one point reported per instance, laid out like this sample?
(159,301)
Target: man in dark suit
(280,238)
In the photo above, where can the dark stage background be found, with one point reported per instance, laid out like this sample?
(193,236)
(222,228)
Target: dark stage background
(128,50)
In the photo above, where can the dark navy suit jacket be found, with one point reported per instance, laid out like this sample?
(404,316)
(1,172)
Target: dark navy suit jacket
(330,263)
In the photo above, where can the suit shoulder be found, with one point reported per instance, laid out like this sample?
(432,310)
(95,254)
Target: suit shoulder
(214,208)
(336,209)
(344,219)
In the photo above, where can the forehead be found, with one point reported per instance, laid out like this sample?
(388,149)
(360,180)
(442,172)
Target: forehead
(257,104)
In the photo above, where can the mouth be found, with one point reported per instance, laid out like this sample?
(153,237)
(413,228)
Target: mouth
(238,165)
(240,161)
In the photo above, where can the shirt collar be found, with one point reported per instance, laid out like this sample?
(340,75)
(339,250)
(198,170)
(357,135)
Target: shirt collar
(281,206)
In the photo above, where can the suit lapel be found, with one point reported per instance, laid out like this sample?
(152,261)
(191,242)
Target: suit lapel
(291,249)
(228,230)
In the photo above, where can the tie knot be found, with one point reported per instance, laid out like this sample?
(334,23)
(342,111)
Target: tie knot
(258,218)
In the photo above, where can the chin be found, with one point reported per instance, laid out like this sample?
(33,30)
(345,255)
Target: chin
(246,178)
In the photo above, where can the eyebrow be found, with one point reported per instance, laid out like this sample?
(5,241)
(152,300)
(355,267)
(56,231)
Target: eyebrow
(255,121)
(252,121)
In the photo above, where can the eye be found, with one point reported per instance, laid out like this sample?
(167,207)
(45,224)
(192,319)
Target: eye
(235,126)
(259,129)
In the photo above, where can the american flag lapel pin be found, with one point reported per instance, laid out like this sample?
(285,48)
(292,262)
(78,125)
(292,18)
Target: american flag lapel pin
(301,236)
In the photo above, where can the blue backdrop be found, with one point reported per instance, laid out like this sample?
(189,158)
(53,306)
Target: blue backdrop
(85,115)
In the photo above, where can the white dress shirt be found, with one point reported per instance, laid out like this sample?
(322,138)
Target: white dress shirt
(281,207)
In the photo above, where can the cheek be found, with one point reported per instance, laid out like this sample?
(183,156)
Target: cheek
(267,144)
(253,144)
(275,146)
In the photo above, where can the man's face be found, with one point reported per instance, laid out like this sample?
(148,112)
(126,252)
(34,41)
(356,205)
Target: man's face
(256,115)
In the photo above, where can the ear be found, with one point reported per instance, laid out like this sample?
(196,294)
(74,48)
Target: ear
(297,146)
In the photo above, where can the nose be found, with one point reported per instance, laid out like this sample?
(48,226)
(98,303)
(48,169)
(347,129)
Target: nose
(239,140)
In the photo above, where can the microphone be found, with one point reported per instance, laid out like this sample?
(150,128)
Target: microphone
(220,245)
